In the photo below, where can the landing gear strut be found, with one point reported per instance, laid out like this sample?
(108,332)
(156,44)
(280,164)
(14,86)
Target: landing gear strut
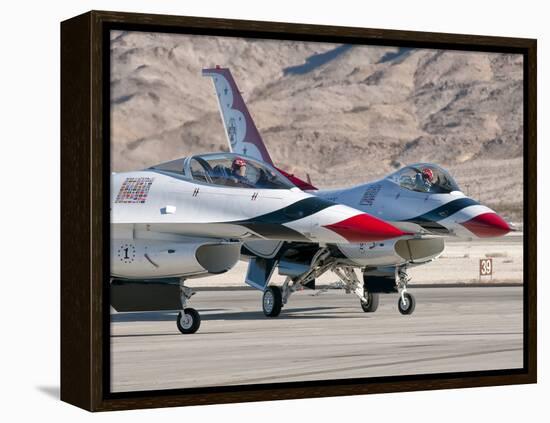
(275,298)
(369,300)
(189,319)
(406,302)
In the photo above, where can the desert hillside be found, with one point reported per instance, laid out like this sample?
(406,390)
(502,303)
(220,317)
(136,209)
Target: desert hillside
(342,114)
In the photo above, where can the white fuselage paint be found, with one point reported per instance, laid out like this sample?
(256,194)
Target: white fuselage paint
(211,211)
(161,236)
(396,205)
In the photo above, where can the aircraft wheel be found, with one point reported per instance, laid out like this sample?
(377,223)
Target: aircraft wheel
(272,301)
(407,306)
(371,305)
(189,321)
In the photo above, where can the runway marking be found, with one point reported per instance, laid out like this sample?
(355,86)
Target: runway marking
(371,366)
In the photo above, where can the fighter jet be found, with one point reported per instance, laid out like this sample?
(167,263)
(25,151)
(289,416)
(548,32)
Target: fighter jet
(189,217)
(422,199)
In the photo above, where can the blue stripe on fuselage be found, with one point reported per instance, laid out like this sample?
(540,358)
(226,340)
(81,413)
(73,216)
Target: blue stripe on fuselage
(271,224)
(444,211)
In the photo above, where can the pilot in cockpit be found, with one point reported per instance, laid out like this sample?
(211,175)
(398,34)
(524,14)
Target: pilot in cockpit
(424,180)
(238,170)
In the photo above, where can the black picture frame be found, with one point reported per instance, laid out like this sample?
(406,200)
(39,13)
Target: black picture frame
(85,176)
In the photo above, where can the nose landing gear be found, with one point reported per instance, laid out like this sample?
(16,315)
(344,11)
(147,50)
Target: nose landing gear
(189,319)
(406,302)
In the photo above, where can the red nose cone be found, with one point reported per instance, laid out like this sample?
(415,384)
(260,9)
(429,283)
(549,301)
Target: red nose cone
(487,225)
(364,228)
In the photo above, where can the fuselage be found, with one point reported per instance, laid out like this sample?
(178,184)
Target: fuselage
(187,224)
(433,215)
(450,214)
(159,202)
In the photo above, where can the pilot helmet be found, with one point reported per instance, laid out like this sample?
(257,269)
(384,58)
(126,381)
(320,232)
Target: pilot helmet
(238,162)
(427,174)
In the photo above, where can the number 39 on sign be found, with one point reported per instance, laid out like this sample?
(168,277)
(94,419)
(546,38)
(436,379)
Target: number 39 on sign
(486,267)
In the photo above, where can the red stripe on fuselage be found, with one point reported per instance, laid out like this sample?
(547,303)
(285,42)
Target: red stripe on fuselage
(365,228)
(487,225)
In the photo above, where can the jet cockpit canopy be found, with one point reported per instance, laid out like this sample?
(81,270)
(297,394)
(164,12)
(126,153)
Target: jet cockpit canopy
(227,169)
(424,177)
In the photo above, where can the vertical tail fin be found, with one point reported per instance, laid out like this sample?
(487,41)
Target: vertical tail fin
(242,135)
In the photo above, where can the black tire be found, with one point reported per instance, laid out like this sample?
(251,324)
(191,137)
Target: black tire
(189,323)
(371,305)
(409,306)
(272,301)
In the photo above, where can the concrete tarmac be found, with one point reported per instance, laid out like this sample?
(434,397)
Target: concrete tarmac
(317,338)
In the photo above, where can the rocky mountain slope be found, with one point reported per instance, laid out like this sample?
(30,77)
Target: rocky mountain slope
(342,114)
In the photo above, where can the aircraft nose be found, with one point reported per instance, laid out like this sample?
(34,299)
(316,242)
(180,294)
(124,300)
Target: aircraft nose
(365,228)
(487,225)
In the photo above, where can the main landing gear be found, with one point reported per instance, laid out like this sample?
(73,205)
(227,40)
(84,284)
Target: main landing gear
(189,319)
(377,281)
(385,280)
(370,304)
(369,300)
(272,301)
